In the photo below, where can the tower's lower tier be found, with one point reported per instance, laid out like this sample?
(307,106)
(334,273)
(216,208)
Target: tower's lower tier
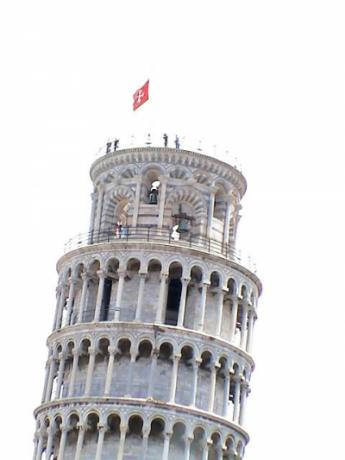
(134,429)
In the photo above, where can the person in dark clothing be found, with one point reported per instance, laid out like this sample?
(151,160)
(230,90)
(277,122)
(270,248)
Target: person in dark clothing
(165,138)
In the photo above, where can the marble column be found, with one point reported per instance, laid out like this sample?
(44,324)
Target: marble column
(58,296)
(183,299)
(50,439)
(90,367)
(237,381)
(119,293)
(196,365)
(162,194)
(174,378)
(81,435)
(251,320)
(210,213)
(92,216)
(85,277)
(64,430)
(233,318)
(46,379)
(243,403)
(39,445)
(220,301)
(154,358)
(101,433)
(73,283)
(60,308)
(130,369)
(100,197)
(142,276)
(188,441)
(227,223)
(52,371)
(109,377)
(203,305)
(101,276)
(73,373)
(162,295)
(123,431)
(167,437)
(226,393)
(244,319)
(214,367)
(146,433)
(136,202)
(62,360)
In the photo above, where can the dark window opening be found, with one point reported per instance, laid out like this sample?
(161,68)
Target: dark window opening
(106,299)
(173,302)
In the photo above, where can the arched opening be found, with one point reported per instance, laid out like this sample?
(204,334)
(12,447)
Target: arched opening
(156,439)
(185,379)
(183,220)
(101,366)
(92,289)
(142,367)
(90,437)
(230,449)
(204,381)
(177,442)
(130,290)
(198,444)
(112,435)
(215,449)
(150,186)
(219,209)
(109,292)
(174,294)
(57,436)
(151,291)
(83,362)
(72,436)
(133,443)
(162,375)
(192,313)
(67,369)
(119,382)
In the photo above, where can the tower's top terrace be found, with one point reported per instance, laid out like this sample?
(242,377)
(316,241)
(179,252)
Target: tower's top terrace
(175,163)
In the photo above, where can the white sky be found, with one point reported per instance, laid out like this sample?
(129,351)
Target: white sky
(262,79)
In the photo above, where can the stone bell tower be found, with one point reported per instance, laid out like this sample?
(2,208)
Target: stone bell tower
(150,353)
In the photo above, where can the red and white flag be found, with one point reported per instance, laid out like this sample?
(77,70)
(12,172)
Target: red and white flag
(141,96)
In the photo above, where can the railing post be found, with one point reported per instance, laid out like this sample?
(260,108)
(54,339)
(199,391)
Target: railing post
(148,233)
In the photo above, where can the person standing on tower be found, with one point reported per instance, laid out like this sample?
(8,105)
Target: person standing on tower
(177,142)
(116,144)
(165,138)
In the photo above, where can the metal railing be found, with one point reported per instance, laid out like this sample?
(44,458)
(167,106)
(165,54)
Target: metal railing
(159,235)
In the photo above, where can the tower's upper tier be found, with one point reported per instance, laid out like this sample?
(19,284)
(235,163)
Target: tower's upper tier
(173,163)
(186,193)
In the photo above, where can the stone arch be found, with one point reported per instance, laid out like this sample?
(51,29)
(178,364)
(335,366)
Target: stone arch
(150,180)
(179,172)
(201,177)
(174,289)
(118,208)
(128,172)
(191,197)
(134,435)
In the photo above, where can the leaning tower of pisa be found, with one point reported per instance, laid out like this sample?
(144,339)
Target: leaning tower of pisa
(150,352)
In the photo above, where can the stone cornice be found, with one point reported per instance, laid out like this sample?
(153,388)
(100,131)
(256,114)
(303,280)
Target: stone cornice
(125,401)
(172,156)
(171,331)
(118,245)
